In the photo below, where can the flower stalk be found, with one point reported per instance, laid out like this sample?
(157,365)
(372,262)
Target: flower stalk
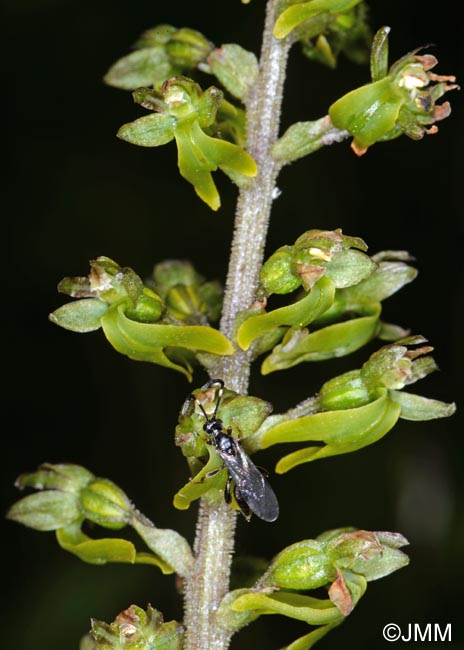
(209,579)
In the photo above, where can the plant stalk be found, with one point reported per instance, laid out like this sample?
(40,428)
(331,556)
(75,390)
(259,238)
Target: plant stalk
(214,542)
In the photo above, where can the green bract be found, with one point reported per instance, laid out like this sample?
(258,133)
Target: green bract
(399,100)
(137,321)
(184,113)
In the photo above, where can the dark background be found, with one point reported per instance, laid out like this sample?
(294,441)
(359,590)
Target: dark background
(76,192)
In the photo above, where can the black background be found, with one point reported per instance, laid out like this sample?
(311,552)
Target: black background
(76,192)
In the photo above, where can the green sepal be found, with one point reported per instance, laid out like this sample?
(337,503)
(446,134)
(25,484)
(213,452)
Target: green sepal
(418,408)
(104,550)
(81,316)
(148,341)
(151,130)
(387,278)
(368,112)
(201,484)
(149,66)
(379,54)
(65,477)
(303,565)
(235,67)
(296,14)
(168,545)
(104,503)
(342,431)
(44,511)
(300,314)
(308,640)
(339,339)
(200,154)
(313,611)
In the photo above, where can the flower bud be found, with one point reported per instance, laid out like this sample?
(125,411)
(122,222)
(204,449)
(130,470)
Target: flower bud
(187,47)
(105,504)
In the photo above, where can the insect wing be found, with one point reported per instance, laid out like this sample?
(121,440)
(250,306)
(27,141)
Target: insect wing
(253,487)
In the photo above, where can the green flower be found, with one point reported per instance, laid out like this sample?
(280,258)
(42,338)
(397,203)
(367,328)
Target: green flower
(185,113)
(401,99)
(137,321)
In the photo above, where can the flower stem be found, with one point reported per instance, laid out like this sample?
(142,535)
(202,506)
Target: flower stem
(214,544)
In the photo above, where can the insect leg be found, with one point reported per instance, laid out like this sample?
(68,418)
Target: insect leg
(227,491)
(242,504)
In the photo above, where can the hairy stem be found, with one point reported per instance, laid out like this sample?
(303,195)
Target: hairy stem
(214,543)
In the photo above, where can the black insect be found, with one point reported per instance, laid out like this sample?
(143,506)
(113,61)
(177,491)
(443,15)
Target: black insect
(251,490)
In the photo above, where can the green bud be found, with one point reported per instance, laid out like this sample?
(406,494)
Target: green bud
(159,35)
(303,565)
(187,295)
(187,48)
(105,504)
(171,273)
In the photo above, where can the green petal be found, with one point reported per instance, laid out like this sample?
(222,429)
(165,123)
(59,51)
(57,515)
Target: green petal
(102,551)
(296,14)
(308,640)
(342,431)
(328,342)
(223,154)
(196,169)
(201,484)
(80,316)
(418,408)
(147,341)
(302,608)
(44,511)
(379,54)
(301,313)
(150,130)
